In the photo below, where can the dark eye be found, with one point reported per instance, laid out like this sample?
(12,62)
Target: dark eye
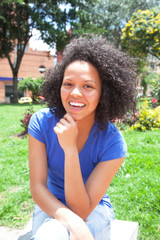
(67,84)
(88,86)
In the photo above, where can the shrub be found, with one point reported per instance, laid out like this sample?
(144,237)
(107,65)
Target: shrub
(26,117)
(40,99)
(154,82)
(143,72)
(128,120)
(153,102)
(31,84)
(147,118)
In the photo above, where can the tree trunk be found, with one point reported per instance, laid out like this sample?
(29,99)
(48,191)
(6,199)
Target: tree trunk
(15,88)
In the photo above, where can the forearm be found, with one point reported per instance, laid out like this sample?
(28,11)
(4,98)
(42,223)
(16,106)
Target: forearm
(54,208)
(76,195)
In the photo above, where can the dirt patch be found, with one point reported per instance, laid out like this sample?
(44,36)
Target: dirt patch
(14,189)
(22,134)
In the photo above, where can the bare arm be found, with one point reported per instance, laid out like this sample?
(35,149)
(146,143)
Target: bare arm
(45,199)
(80,198)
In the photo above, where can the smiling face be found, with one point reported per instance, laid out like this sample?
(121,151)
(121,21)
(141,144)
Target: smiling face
(81,90)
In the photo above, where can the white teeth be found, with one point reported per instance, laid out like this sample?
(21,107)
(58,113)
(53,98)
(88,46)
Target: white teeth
(76,104)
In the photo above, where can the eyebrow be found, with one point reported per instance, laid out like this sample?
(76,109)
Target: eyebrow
(87,80)
(90,80)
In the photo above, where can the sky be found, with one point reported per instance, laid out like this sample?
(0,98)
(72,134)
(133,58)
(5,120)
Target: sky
(37,44)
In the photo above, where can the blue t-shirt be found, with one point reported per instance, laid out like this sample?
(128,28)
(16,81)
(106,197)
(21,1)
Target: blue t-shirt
(101,145)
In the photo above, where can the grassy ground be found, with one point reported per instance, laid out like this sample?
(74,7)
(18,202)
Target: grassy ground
(15,199)
(134,191)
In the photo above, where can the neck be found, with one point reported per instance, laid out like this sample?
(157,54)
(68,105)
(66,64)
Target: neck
(84,127)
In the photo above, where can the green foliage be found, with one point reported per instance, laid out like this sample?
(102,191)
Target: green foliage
(141,35)
(11,1)
(52,19)
(143,72)
(154,81)
(142,66)
(88,21)
(147,118)
(31,84)
(144,85)
(108,18)
(14,29)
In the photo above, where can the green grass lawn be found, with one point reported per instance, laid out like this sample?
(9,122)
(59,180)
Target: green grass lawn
(15,199)
(134,191)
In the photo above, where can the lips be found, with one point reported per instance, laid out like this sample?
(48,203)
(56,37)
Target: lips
(76,104)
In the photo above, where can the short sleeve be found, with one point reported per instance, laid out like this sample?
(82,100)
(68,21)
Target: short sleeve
(114,147)
(35,127)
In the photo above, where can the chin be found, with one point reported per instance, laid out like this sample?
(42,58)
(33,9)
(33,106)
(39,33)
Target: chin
(76,118)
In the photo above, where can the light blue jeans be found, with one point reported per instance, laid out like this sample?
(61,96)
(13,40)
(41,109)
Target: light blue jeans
(46,228)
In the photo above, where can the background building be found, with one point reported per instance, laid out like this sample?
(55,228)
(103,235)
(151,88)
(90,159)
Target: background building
(34,64)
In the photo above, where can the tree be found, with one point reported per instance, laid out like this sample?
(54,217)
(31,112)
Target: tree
(109,17)
(31,84)
(19,17)
(14,34)
(141,35)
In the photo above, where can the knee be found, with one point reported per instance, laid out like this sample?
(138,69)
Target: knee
(52,230)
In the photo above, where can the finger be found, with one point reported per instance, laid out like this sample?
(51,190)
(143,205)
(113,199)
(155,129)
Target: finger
(61,126)
(69,118)
(64,122)
(57,130)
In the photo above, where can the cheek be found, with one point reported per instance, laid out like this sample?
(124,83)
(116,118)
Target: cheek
(94,97)
(64,94)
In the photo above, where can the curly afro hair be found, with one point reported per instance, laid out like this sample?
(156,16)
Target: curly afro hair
(116,70)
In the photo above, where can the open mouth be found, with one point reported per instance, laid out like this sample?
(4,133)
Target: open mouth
(77,104)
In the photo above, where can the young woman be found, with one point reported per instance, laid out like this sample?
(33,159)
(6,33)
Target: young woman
(74,149)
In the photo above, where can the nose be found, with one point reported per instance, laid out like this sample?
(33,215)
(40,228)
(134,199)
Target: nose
(76,92)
